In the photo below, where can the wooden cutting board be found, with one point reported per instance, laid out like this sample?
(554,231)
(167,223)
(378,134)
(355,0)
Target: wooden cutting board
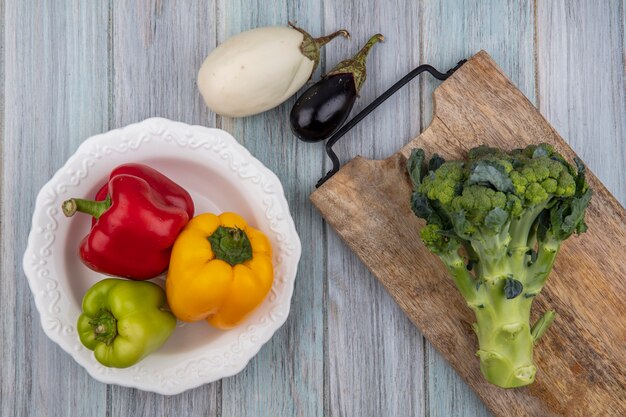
(581,360)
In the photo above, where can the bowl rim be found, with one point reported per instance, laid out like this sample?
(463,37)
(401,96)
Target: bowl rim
(60,335)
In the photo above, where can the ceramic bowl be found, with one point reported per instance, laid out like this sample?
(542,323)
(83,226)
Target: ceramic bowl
(221,175)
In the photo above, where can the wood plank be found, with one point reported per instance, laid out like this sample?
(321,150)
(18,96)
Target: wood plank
(55,95)
(372,347)
(456,31)
(579,359)
(582,89)
(286,378)
(2,242)
(157,48)
(4,352)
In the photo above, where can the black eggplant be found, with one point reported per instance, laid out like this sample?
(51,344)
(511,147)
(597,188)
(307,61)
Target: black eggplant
(326,105)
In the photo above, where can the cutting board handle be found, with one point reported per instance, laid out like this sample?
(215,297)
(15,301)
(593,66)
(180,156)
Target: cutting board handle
(377,102)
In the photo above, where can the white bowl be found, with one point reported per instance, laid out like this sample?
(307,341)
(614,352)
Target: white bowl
(221,175)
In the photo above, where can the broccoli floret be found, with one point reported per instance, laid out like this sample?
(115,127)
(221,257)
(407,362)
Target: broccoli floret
(477,201)
(535,194)
(433,239)
(441,184)
(497,221)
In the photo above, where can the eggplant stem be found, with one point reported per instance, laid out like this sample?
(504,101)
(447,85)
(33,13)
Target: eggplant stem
(362,54)
(323,40)
(310,46)
(356,64)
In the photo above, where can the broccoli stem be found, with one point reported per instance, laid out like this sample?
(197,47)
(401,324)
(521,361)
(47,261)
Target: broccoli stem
(492,253)
(502,325)
(505,341)
(521,228)
(463,280)
(538,272)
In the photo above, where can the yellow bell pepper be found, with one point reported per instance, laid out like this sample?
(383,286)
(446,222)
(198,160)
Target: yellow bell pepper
(220,270)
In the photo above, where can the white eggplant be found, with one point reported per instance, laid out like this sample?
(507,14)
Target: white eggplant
(257,70)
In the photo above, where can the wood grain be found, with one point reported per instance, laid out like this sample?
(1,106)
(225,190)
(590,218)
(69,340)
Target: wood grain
(55,95)
(372,348)
(286,378)
(154,70)
(580,371)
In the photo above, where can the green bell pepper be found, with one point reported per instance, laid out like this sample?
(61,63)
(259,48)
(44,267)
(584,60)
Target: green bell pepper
(124,321)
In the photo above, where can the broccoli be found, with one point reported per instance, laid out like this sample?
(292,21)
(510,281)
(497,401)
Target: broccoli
(497,221)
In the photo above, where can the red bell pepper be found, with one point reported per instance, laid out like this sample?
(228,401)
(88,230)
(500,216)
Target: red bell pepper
(137,216)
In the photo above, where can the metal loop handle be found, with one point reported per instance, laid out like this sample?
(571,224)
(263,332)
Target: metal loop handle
(377,102)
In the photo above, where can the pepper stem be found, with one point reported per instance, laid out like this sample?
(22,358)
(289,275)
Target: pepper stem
(356,64)
(310,46)
(91,207)
(104,326)
(231,245)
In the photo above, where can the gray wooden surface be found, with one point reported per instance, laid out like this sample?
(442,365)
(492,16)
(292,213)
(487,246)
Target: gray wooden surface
(70,69)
